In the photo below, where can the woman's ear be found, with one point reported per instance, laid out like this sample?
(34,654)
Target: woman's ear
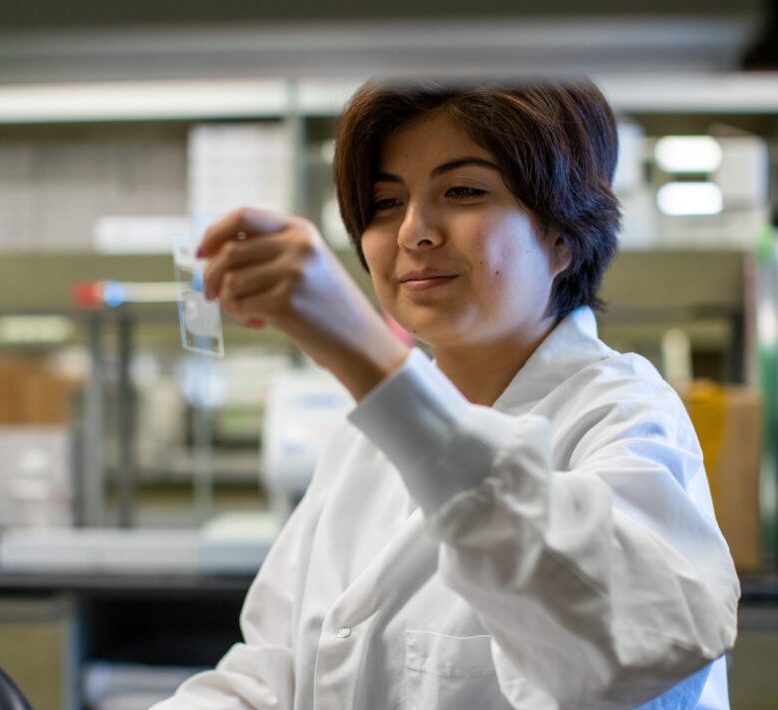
(561,256)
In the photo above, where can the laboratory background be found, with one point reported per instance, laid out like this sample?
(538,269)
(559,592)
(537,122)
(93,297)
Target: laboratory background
(142,476)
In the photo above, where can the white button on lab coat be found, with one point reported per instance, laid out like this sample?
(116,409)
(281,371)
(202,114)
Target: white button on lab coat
(555,551)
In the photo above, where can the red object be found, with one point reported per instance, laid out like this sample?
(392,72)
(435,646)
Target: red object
(88,294)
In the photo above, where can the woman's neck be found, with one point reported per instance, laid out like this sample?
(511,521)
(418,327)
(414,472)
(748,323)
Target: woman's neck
(481,372)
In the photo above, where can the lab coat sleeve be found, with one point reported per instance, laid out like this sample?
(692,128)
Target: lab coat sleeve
(603,586)
(257,674)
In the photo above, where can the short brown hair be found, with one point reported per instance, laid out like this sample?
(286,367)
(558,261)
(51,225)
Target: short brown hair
(555,141)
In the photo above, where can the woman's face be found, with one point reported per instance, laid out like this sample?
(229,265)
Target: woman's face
(453,256)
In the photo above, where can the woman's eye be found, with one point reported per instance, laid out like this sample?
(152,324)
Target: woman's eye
(385,204)
(464,192)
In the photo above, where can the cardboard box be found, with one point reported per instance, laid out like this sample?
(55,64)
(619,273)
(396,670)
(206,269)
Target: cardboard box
(32,395)
(728,421)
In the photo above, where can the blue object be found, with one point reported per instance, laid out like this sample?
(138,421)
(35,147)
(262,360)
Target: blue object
(114,294)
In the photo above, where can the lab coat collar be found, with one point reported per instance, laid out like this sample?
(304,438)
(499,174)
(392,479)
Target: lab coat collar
(570,346)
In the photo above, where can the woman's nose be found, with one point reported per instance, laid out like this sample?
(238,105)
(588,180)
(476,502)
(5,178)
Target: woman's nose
(418,231)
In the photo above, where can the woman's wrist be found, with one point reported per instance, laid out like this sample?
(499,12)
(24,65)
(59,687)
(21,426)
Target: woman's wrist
(363,368)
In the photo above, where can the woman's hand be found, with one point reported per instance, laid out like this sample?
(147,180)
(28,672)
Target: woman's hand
(272,268)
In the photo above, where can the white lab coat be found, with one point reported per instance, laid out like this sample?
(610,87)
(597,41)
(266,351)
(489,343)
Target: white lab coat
(558,550)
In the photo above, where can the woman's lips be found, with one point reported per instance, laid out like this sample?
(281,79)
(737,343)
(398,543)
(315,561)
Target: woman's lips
(425,283)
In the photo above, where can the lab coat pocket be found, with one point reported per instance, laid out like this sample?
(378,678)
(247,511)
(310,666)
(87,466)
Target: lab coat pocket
(450,673)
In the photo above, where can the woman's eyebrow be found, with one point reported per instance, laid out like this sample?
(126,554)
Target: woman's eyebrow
(444,168)
(459,162)
(387,177)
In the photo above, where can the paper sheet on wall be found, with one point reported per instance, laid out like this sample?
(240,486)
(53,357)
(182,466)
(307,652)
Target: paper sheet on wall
(238,165)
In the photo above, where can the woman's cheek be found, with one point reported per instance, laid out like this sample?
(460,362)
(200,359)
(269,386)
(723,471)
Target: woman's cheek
(372,249)
(379,277)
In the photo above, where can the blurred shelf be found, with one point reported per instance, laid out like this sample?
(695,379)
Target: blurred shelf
(237,467)
(123,584)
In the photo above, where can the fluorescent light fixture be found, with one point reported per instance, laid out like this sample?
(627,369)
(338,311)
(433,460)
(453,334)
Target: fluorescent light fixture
(691,91)
(142,100)
(688,154)
(689,198)
(274,96)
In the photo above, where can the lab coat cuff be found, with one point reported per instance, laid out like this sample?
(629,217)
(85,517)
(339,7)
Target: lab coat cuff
(419,420)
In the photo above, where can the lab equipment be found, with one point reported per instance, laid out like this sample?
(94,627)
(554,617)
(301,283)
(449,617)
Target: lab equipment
(303,409)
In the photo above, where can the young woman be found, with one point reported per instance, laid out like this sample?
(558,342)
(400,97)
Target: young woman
(525,522)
